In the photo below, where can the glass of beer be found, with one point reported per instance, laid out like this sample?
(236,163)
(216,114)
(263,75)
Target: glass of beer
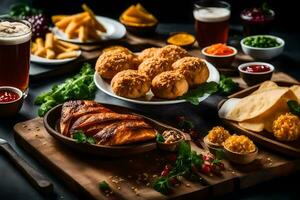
(15,38)
(211,22)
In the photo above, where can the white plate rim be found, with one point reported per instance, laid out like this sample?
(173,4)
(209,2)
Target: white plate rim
(46,61)
(119,31)
(213,76)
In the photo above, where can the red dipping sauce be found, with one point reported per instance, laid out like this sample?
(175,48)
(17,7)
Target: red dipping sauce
(8,96)
(256,68)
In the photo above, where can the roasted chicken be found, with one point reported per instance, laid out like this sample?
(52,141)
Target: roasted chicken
(106,126)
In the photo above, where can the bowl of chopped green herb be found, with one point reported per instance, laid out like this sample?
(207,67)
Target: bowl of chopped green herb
(262,47)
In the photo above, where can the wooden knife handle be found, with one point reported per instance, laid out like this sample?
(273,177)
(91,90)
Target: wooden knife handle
(40,182)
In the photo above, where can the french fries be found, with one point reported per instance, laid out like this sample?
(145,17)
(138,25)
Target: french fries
(83,26)
(52,48)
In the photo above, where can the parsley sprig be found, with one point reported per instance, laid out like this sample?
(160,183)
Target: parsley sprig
(80,137)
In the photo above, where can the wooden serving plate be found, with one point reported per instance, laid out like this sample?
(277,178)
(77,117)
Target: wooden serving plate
(264,138)
(51,121)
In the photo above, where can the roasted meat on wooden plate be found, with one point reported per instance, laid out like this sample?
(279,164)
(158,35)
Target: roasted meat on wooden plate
(105,125)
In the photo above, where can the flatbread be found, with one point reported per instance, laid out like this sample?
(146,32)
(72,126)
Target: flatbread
(265,121)
(267,85)
(296,90)
(257,104)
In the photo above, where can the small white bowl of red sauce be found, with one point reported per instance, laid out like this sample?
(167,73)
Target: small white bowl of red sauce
(220,55)
(256,72)
(11,101)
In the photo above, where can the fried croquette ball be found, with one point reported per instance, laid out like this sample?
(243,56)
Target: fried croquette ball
(194,69)
(153,66)
(286,127)
(169,85)
(147,53)
(112,62)
(130,84)
(218,135)
(172,53)
(117,48)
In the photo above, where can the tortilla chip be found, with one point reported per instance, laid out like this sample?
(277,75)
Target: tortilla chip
(296,90)
(257,104)
(265,121)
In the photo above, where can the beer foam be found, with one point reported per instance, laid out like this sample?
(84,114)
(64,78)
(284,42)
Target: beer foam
(12,33)
(212,14)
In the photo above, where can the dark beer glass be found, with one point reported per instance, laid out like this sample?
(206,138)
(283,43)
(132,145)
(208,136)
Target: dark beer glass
(211,22)
(15,38)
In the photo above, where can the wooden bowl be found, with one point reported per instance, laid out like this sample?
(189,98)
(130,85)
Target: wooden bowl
(51,122)
(241,158)
(172,147)
(213,147)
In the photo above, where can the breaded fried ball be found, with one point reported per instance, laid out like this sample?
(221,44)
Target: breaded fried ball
(153,66)
(129,83)
(287,127)
(172,53)
(194,69)
(169,85)
(218,135)
(117,48)
(147,53)
(112,62)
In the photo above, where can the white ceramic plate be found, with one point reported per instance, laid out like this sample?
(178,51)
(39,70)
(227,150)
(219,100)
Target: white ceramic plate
(115,30)
(105,87)
(46,61)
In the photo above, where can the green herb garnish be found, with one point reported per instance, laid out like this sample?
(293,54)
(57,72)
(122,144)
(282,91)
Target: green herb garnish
(219,153)
(227,86)
(21,10)
(104,186)
(294,107)
(80,137)
(160,138)
(193,95)
(185,162)
(79,87)
(186,125)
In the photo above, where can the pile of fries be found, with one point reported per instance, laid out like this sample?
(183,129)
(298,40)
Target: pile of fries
(83,26)
(52,48)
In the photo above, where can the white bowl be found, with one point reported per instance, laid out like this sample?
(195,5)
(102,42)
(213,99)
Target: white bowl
(263,53)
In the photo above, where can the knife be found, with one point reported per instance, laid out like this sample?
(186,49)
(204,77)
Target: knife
(40,182)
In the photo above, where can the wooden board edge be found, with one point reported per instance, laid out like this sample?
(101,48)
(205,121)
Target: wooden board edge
(71,183)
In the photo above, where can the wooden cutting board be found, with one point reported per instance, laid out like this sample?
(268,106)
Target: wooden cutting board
(131,177)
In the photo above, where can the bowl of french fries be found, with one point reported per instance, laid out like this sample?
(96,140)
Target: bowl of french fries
(50,50)
(81,27)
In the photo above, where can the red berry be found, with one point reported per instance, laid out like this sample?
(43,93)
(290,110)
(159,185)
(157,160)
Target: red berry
(206,169)
(164,173)
(222,166)
(168,167)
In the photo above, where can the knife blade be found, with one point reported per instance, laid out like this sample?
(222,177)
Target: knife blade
(39,181)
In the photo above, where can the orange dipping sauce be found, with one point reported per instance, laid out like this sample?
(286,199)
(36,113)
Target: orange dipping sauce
(219,50)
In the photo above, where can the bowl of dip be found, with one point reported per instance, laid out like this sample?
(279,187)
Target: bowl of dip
(169,140)
(11,101)
(220,55)
(256,72)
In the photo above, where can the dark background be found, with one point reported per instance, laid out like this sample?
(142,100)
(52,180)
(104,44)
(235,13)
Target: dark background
(179,11)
